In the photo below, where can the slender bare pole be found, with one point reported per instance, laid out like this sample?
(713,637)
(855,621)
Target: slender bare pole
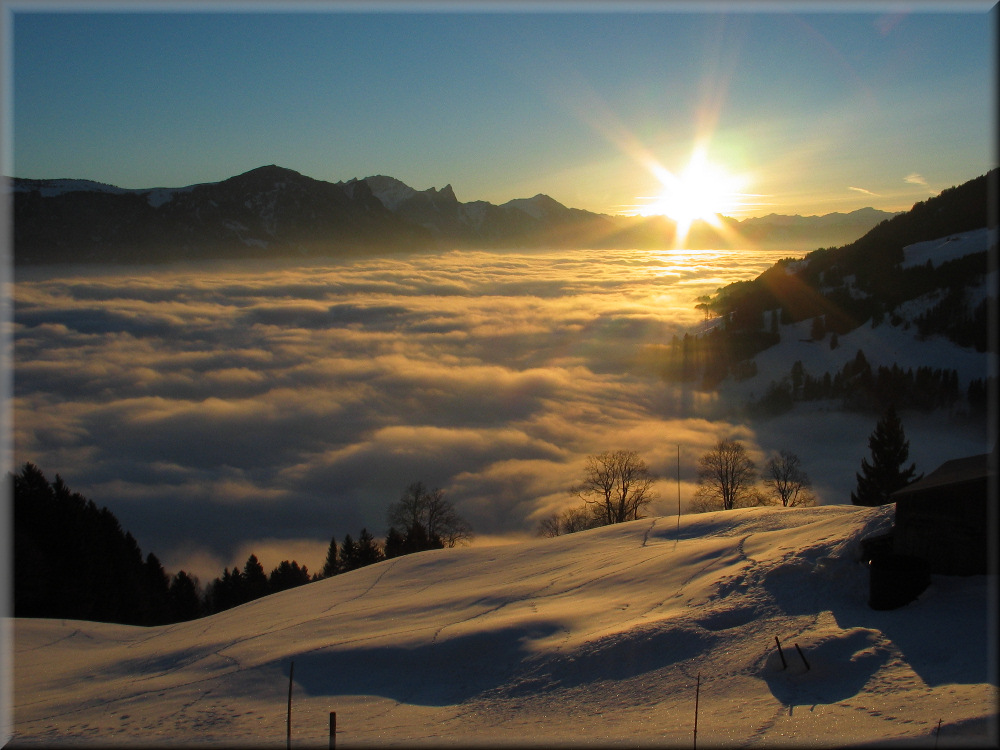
(678,491)
(288,738)
(333,730)
(697,691)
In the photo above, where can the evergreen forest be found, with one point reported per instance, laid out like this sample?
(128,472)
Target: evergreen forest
(74,561)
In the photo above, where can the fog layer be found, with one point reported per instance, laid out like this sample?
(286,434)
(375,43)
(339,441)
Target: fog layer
(219,409)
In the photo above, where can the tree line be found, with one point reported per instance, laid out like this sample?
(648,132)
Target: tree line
(617,485)
(73,560)
(859,386)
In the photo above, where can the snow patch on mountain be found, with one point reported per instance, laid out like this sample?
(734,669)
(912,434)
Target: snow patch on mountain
(953,246)
(390,191)
(50,188)
(883,346)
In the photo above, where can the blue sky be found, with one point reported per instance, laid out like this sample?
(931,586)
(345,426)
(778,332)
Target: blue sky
(818,111)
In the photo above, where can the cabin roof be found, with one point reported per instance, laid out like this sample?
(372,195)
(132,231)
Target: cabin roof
(955,472)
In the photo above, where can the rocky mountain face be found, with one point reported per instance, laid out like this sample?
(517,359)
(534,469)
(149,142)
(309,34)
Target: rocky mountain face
(272,211)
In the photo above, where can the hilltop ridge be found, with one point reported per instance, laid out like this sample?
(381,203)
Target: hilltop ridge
(594,637)
(272,211)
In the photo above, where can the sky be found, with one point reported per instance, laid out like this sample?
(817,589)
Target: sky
(811,108)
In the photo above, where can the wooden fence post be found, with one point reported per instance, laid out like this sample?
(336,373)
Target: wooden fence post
(784,664)
(333,730)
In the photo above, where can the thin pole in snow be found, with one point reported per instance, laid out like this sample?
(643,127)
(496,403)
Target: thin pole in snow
(678,491)
(803,657)
(288,724)
(784,664)
(937,734)
(697,691)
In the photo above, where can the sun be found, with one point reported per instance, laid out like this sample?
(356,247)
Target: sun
(700,192)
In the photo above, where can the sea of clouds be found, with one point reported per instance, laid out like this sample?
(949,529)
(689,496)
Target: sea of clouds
(219,409)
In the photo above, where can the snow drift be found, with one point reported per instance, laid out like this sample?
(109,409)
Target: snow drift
(597,637)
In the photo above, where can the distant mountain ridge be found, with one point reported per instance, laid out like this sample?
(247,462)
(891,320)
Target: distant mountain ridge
(273,211)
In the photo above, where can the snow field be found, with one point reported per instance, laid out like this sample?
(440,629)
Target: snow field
(596,637)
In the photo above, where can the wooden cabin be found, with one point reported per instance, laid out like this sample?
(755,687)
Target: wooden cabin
(948,518)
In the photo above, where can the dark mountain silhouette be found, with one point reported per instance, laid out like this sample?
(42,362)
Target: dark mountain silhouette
(277,212)
(268,211)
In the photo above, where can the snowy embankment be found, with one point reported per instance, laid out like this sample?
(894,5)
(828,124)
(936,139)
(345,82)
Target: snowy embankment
(597,637)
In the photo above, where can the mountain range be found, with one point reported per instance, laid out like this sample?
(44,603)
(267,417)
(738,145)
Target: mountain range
(276,212)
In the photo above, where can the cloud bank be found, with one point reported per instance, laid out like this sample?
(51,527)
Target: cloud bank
(218,407)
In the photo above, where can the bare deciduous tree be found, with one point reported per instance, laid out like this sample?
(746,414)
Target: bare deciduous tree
(569,521)
(787,481)
(429,510)
(550,526)
(726,477)
(618,485)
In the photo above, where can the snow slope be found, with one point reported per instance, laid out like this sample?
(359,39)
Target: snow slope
(943,249)
(597,637)
(885,344)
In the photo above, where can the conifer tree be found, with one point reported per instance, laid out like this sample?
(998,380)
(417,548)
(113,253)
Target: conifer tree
(348,554)
(369,551)
(157,585)
(330,567)
(818,330)
(884,475)
(394,543)
(183,596)
(254,578)
(286,576)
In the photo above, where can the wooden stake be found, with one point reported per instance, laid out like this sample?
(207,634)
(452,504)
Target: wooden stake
(784,664)
(288,737)
(937,734)
(803,657)
(697,691)
(333,730)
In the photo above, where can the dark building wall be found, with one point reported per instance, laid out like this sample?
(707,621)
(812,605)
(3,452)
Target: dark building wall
(947,526)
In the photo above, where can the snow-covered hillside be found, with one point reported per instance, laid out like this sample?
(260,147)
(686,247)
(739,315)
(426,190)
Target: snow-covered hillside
(891,342)
(597,637)
(943,249)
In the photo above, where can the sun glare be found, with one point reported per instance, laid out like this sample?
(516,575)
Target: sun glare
(699,193)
